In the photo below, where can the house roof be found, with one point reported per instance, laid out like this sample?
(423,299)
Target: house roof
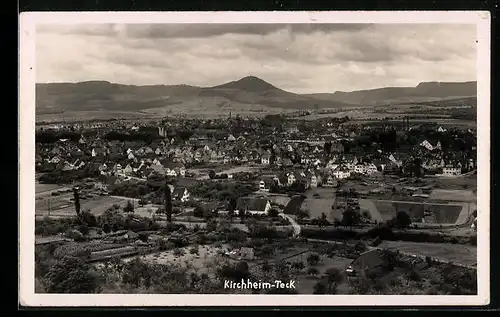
(158,168)
(178,191)
(253,204)
(287,161)
(111,180)
(369,259)
(294,205)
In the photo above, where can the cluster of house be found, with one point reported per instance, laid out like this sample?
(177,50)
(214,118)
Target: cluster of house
(169,157)
(309,178)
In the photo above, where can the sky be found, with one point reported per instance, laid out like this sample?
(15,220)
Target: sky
(300,58)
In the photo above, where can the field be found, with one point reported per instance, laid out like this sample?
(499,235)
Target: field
(42,188)
(439,121)
(317,206)
(62,205)
(460,254)
(146,211)
(452,195)
(369,206)
(213,108)
(444,213)
(368,183)
(279,199)
(453,183)
(72,116)
(321,204)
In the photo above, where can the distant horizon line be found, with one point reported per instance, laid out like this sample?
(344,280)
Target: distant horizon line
(246,77)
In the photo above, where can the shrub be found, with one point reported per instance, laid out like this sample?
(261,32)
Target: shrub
(375,242)
(360,247)
(178,252)
(211,225)
(299,265)
(413,275)
(320,288)
(202,238)
(312,271)
(143,236)
(235,272)
(313,259)
(266,267)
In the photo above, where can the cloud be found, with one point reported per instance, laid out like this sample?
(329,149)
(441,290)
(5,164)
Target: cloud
(154,31)
(297,57)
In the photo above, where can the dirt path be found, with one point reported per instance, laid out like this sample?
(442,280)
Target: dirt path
(295,225)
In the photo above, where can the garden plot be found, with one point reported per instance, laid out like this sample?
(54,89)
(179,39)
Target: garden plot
(306,282)
(206,258)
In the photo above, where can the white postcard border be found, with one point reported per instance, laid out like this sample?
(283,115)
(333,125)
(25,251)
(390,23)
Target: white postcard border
(26,212)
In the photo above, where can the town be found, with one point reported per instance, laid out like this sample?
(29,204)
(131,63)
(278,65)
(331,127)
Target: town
(180,205)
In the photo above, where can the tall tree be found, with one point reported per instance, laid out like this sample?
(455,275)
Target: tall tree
(71,275)
(76,197)
(403,220)
(129,208)
(323,220)
(350,218)
(232,204)
(211,174)
(327,147)
(167,197)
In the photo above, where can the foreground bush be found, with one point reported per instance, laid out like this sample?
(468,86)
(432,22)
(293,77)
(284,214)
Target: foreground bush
(385,233)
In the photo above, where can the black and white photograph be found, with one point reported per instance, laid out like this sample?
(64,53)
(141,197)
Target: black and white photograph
(170,155)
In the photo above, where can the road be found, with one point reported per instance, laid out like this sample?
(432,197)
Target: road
(295,225)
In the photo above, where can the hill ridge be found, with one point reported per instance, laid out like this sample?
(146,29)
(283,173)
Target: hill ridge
(248,92)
